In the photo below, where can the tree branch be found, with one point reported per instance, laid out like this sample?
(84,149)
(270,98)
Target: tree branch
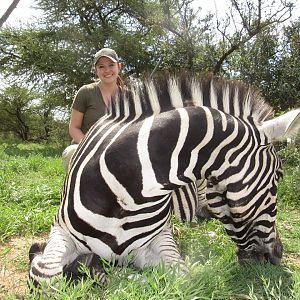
(10,9)
(252,24)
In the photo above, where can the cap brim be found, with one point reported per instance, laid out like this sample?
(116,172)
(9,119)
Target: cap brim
(112,59)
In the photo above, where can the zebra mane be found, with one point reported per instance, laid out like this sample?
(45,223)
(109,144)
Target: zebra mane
(163,93)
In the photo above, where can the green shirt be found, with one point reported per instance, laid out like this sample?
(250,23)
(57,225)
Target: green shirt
(89,101)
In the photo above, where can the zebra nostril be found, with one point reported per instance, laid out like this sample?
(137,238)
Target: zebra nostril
(258,255)
(276,256)
(278,248)
(275,260)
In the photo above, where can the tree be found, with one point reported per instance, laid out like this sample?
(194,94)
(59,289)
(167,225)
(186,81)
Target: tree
(14,109)
(187,35)
(288,87)
(143,33)
(30,115)
(257,61)
(270,61)
(248,20)
(55,55)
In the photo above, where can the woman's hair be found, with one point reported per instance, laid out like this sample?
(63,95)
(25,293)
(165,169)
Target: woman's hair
(120,82)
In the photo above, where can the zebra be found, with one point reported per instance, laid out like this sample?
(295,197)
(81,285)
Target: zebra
(161,135)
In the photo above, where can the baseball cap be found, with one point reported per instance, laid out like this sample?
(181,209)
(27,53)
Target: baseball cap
(107,52)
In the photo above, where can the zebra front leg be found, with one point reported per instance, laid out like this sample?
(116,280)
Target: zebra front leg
(161,249)
(59,252)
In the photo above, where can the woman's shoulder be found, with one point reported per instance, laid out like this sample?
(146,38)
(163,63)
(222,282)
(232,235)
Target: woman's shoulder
(85,92)
(87,89)
(89,86)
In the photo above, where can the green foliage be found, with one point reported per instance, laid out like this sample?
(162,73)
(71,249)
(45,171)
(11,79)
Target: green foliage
(15,104)
(272,65)
(288,90)
(30,116)
(289,189)
(54,56)
(257,60)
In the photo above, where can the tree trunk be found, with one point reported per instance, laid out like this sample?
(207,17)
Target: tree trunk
(8,12)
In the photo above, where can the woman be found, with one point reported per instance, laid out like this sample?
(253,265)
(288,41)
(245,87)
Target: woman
(92,99)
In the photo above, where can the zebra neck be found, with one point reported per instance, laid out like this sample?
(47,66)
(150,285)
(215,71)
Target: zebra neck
(184,145)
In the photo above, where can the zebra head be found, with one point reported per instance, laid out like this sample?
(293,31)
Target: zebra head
(244,196)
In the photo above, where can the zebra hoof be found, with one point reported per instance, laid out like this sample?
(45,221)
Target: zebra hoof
(92,262)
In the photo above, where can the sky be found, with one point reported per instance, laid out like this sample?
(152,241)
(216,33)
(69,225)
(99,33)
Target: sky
(25,11)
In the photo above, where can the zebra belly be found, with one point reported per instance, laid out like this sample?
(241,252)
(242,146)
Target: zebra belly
(112,237)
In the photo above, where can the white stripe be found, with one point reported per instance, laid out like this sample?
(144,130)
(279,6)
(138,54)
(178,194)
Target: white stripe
(226,99)
(224,123)
(126,106)
(153,97)
(194,154)
(175,203)
(137,101)
(247,105)
(175,93)
(184,129)
(213,96)
(225,142)
(236,106)
(196,92)
(185,204)
(151,187)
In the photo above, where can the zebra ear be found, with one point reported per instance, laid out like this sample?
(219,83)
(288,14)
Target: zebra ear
(282,127)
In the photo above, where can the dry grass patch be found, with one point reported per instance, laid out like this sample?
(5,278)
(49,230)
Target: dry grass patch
(14,265)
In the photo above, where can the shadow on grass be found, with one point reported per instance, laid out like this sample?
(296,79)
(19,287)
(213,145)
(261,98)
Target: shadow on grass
(262,281)
(221,280)
(26,150)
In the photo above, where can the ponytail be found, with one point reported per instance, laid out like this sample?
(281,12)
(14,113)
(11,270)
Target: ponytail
(120,82)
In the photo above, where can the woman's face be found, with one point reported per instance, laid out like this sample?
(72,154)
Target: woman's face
(107,70)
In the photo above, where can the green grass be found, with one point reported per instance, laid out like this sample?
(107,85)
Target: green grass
(31,178)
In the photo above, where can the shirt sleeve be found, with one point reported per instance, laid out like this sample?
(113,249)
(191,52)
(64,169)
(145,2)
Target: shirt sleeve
(80,100)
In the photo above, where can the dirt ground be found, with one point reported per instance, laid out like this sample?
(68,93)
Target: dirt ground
(14,265)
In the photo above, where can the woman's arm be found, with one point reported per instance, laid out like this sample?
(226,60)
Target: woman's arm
(75,126)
